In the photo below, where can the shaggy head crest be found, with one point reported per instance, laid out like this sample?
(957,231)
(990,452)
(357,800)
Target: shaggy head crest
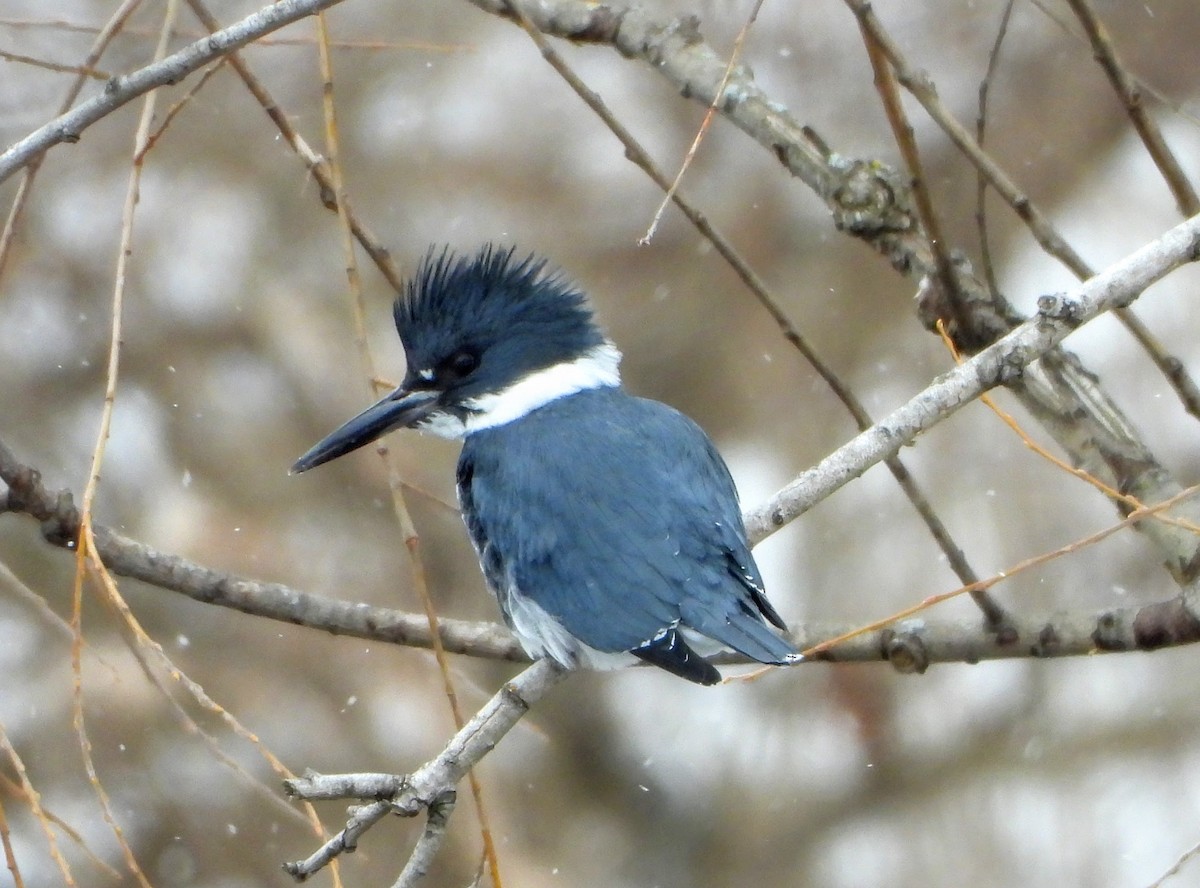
(510,314)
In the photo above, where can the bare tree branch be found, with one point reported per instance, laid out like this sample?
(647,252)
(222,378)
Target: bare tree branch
(911,645)
(922,88)
(1058,316)
(428,786)
(121,90)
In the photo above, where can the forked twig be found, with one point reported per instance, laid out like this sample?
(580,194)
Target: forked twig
(427,786)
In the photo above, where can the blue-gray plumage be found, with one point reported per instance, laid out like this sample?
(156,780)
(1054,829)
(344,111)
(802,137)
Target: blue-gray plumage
(607,525)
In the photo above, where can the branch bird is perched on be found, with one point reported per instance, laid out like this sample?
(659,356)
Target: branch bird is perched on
(607,525)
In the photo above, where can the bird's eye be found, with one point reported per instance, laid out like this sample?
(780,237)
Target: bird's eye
(461,364)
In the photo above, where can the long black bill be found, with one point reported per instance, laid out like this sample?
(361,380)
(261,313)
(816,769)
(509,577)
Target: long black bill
(398,409)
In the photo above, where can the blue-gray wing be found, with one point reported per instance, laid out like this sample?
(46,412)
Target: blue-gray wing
(619,519)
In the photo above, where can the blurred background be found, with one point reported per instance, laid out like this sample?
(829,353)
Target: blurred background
(238,354)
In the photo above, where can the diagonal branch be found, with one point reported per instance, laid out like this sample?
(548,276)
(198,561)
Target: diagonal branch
(1130,93)
(121,90)
(316,165)
(427,788)
(1058,316)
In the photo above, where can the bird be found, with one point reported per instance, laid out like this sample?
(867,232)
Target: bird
(606,525)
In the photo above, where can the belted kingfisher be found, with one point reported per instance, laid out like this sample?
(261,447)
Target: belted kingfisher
(607,525)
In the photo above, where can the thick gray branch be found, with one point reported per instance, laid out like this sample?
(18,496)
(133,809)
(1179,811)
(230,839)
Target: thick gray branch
(1143,627)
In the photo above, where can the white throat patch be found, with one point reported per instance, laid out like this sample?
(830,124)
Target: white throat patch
(599,368)
(596,369)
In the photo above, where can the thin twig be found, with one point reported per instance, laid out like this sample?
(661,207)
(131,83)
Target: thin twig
(20,590)
(362,818)
(145,648)
(86,557)
(121,90)
(1130,95)
(985,247)
(174,110)
(80,70)
(10,858)
(430,842)
(412,541)
(902,132)
(34,799)
(139,643)
(1147,88)
(13,789)
(709,116)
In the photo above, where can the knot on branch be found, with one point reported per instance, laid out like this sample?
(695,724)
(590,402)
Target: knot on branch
(870,198)
(599,25)
(657,42)
(971,316)
(61,527)
(54,509)
(1057,307)
(906,651)
(1111,633)
(1165,623)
